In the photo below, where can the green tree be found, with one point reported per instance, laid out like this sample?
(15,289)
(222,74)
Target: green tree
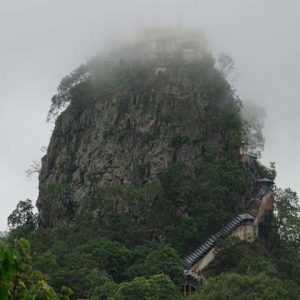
(165,260)
(19,281)
(226,64)
(109,255)
(23,215)
(288,216)
(287,224)
(158,287)
(103,288)
(7,265)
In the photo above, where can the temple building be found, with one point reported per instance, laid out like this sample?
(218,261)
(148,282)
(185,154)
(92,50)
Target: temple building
(163,43)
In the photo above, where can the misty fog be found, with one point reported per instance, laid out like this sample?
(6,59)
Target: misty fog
(42,41)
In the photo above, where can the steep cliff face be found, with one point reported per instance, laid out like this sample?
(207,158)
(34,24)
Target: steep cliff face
(129,135)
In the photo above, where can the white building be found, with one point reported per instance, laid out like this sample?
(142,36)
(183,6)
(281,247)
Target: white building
(162,43)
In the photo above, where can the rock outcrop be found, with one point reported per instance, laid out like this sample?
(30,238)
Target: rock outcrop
(134,133)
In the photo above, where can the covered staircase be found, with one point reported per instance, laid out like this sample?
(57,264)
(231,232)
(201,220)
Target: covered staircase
(205,253)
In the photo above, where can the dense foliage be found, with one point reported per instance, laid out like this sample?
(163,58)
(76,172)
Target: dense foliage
(177,208)
(18,280)
(99,268)
(235,286)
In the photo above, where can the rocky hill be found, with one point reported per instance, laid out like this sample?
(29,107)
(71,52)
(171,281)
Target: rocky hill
(151,185)
(128,122)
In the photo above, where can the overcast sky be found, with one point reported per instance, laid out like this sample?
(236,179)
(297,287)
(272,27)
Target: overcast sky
(43,40)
